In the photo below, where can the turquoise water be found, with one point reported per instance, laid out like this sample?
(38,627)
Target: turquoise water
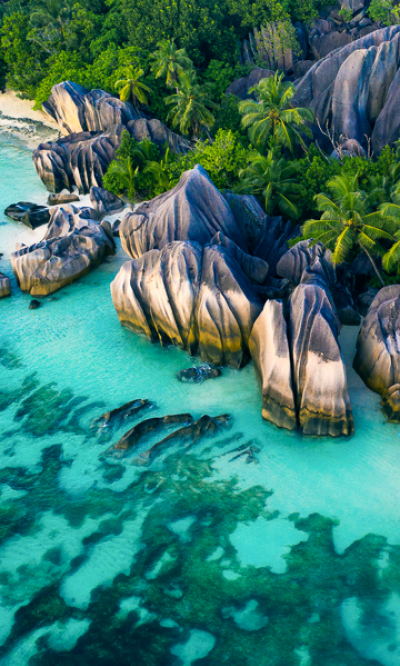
(202,557)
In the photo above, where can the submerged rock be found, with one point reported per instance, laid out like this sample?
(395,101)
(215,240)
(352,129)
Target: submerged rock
(270,351)
(194,210)
(319,374)
(30,214)
(71,247)
(136,434)
(377,359)
(34,304)
(198,374)
(126,411)
(5,287)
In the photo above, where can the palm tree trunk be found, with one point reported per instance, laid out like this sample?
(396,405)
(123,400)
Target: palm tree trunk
(374,266)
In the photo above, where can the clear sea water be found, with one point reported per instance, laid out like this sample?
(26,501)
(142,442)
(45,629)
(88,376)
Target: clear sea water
(203,557)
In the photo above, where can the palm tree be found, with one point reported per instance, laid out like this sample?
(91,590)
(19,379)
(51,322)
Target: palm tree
(273,179)
(131,87)
(169,61)
(347,222)
(273,117)
(190,104)
(391,214)
(50,21)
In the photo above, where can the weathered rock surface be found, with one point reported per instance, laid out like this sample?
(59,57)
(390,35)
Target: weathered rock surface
(348,88)
(158,133)
(5,287)
(77,109)
(241,87)
(269,349)
(63,197)
(156,294)
(302,256)
(104,202)
(77,159)
(377,359)
(93,122)
(193,210)
(319,374)
(198,299)
(226,309)
(30,214)
(73,245)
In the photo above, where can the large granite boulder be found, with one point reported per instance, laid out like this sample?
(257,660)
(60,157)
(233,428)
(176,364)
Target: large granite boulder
(387,126)
(270,351)
(78,159)
(158,133)
(340,280)
(319,374)
(31,214)
(5,287)
(73,245)
(226,309)
(241,87)
(77,109)
(104,202)
(200,299)
(348,88)
(377,359)
(156,294)
(193,210)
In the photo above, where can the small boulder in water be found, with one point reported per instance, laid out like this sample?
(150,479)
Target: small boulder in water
(30,214)
(198,374)
(34,304)
(5,288)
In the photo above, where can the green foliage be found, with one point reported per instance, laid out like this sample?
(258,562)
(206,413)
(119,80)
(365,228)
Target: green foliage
(191,105)
(274,179)
(127,174)
(349,220)
(346,14)
(131,88)
(272,121)
(385,11)
(169,62)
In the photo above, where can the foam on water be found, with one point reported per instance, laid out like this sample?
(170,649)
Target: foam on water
(83,363)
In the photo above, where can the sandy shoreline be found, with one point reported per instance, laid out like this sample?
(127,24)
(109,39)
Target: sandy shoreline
(18,119)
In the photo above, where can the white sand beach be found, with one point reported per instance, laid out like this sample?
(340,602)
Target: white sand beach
(19,119)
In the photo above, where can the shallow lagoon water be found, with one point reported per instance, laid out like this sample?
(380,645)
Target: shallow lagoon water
(201,557)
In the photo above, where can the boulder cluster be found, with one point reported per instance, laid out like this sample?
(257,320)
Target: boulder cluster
(199,278)
(93,122)
(73,244)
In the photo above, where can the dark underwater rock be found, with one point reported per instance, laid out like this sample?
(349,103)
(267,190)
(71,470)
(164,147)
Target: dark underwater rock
(71,247)
(136,434)
(194,210)
(30,214)
(270,351)
(5,287)
(319,374)
(188,435)
(131,408)
(377,359)
(34,304)
(198,374)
